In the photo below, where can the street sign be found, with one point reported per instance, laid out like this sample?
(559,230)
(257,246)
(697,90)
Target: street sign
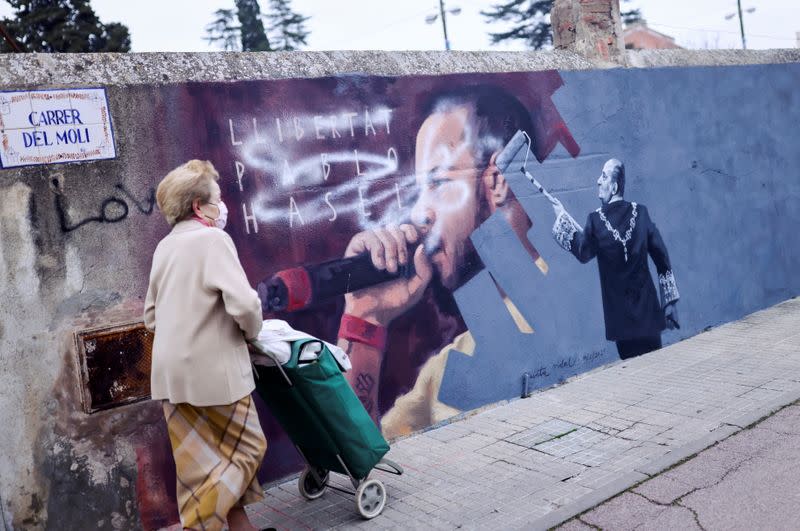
(54,126)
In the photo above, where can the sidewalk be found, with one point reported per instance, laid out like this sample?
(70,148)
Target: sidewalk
(537,462)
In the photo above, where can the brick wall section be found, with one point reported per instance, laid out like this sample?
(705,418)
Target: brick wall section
(589,27)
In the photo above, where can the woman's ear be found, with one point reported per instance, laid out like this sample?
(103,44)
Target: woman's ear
(495,183)
(196,208)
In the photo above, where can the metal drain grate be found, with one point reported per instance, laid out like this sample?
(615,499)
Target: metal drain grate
(115,365)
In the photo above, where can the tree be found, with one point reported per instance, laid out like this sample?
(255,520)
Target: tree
(62,26)
(224,31)
(248,35)
(285,28)
(117,38)
(251,27)
(530,21)
(631,16)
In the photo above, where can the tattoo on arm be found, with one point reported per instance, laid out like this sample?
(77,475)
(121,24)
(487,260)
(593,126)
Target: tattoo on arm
(364,377)
(365,383)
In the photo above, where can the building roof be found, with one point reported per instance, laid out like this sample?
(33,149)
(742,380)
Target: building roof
(639,36)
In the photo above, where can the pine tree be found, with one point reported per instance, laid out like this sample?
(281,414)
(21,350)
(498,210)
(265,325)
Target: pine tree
(631,16)
(116,37)
(248,35)
(251,27)
(286,27)
(531,21)
(224,31)
(62,26)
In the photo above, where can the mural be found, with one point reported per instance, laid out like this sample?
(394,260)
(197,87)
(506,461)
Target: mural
(387,214)
(332,180)
(400,226)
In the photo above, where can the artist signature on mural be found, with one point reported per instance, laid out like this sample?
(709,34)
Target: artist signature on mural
(566,363)
(591,356)
(572,361)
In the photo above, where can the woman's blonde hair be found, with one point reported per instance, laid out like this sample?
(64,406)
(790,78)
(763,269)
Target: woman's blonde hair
(189,181)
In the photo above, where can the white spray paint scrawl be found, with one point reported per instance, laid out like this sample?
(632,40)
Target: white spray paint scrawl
(265,150)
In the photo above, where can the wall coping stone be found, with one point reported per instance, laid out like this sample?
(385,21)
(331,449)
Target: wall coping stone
(34,70)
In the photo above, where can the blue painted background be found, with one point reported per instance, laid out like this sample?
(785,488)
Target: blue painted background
(714,153)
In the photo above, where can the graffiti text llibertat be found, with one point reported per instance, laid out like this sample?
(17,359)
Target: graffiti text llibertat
(268,149)
(297,128)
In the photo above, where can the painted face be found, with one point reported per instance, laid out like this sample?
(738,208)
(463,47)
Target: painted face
(606,187)
(448,207)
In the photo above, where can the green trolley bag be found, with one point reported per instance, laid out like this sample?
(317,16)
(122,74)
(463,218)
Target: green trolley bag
(321,414)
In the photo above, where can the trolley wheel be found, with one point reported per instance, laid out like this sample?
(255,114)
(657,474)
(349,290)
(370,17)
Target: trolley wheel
(370,498)
(308,486)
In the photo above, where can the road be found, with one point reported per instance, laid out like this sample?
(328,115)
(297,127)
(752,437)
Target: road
(749,481)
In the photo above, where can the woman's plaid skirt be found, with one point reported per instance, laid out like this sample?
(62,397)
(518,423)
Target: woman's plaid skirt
(217,451)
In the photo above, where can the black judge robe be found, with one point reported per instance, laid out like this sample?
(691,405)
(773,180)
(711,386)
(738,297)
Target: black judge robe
(631,307)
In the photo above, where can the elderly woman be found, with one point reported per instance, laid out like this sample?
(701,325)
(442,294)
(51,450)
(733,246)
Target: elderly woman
(202,309)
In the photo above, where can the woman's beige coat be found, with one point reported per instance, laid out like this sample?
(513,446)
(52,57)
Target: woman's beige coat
(201,307)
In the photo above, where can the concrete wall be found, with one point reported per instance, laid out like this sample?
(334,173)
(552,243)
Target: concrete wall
(709,149)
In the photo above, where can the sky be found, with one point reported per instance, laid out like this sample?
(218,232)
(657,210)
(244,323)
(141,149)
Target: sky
(400,25)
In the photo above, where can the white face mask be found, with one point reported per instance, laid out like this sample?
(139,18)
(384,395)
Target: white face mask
(222,220)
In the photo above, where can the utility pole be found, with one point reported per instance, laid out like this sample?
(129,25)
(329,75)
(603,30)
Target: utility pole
(430,19)
(741,23)
(444,25)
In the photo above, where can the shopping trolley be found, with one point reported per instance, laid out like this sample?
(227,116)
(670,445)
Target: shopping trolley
(327,423)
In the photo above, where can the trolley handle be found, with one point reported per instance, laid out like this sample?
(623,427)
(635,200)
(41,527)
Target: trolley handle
(274,360)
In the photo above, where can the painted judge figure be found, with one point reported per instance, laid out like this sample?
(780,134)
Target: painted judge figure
(621,235)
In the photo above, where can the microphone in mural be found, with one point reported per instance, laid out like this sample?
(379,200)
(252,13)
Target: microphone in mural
(300,287)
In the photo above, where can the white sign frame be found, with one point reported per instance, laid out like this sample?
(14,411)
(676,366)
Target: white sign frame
(39,127)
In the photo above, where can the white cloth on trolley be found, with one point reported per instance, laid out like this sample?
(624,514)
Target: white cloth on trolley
(275,342)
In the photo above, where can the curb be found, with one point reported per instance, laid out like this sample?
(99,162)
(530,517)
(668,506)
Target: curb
(587,501)
(677,455)
(748,419)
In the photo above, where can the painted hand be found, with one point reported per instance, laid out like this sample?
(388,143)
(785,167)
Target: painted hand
(558,208)
(671,314)
(389,248)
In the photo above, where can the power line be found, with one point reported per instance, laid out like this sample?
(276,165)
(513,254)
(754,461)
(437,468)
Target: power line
(387,26)
(719,31)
